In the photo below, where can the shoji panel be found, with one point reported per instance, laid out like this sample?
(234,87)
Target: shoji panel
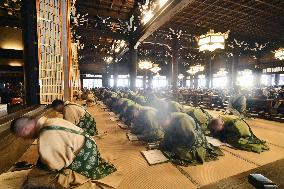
(50,52)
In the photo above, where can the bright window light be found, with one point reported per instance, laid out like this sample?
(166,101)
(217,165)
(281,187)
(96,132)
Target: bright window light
(245,80)
(139,82)
(159,82)
(220,82)
(201,82)
(92,83)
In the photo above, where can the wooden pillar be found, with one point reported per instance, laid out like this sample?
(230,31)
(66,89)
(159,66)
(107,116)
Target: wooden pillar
(234,70)
(66,42)
(184,82)
(191,81)
(257,73)
(277,79)
(81,81)
(195,81)
(150,80)
(133,65)
(208,72)
(31,65)
(105,80)
(115,74)
(174,65)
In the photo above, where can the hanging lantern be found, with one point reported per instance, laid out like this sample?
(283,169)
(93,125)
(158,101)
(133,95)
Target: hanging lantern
(108,59)
(145,65)
(212,41)
(279,54)
(180,76)
(155,69)
(222,72)
(194,69)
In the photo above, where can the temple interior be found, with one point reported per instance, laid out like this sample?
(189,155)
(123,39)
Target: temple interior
(141,94)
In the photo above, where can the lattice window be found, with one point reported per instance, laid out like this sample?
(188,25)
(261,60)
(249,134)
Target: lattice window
(75,73)
(50,50)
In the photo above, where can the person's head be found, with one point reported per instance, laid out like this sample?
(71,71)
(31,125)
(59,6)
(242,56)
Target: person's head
(216,126)
(24,127)
(58,105)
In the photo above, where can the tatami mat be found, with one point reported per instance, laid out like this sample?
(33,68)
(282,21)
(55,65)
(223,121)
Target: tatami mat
(213,171)
(125,155)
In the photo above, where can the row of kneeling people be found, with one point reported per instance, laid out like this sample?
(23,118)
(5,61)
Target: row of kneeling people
(68,154)
(180,130)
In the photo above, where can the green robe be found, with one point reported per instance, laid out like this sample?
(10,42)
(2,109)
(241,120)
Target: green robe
(202,117)
(184,142)
(238,134)
(146,125)
(88,161)
(175,106)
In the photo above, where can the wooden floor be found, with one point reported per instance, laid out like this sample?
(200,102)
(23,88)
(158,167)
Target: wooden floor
(126,156)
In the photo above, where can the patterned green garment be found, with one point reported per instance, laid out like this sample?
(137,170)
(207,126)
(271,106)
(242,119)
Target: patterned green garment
(202,117)
(88,161)
(238,134)
(88,123)
(185,144)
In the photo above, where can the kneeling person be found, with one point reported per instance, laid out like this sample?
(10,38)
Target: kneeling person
(146,125)
(184,141)
(236,132)
(64,149)
(77,115)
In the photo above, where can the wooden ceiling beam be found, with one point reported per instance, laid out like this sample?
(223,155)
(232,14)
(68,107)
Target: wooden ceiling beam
(171,8)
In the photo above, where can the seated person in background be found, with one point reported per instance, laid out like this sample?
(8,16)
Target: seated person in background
(126,114)
(90,99)
(237,103)
(236,132)
(175,106)
(184,141)
(77,115)
(200,116)
(146,125)
(66,152)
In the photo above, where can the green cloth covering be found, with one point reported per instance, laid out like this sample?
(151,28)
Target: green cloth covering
(140,100)
(88,123)
(185,144)
(88,161)
(238,103)
(146,125)
(201,116)
(238,134)
(175,106)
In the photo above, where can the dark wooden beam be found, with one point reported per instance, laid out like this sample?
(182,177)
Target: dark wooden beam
(161,17)
(31,65)
(10,21)
(11,54)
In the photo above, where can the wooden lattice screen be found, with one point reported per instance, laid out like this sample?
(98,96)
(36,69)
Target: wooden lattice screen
(50,50)
(75,73)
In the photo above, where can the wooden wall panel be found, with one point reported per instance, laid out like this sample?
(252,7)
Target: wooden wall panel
(50,50)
